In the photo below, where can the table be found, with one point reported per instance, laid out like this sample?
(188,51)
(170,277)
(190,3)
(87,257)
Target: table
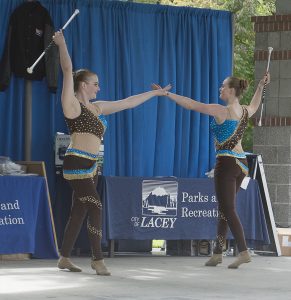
(172,208)
(25,217)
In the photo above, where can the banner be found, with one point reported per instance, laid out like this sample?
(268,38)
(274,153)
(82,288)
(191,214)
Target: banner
(25,220)
(176,209)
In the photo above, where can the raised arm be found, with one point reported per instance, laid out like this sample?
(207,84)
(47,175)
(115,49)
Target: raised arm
(188,103)
(109,107)
(69,101)
(216,110)
(256,100)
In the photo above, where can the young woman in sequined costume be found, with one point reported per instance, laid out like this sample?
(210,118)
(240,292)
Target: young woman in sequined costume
(86,124)
(228,126)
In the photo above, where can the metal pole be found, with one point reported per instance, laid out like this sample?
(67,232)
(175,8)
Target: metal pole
(28,120)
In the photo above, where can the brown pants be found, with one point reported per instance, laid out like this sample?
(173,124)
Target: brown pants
(85,203)
(228,177)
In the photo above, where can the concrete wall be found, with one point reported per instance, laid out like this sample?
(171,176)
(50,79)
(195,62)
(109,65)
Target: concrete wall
(274,144)
(283,7)
(273,139)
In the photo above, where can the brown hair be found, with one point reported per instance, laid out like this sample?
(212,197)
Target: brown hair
(240,85)
(81,76)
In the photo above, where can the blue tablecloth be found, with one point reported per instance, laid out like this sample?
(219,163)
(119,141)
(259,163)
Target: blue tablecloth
(25,217)
(175,209)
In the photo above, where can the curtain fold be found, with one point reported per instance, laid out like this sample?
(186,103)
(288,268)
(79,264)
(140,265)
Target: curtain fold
(130,46)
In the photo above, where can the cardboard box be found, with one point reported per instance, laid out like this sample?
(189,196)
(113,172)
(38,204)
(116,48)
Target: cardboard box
(20,256)
(284,235)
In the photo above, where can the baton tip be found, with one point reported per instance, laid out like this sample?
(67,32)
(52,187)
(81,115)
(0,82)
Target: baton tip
(76,11)
(29,70)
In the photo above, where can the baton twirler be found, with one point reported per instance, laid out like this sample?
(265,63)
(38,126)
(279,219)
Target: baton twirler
(30,69)
(270,49)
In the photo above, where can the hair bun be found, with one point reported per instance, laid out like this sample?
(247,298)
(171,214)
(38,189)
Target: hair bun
(243,84)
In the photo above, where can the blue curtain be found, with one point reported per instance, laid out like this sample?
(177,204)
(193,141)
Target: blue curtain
(130,46)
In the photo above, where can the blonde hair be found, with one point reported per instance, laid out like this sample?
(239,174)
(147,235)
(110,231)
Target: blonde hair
(81,76)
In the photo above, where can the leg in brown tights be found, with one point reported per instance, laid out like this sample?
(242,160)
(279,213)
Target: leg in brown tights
(228,178)
(86,201)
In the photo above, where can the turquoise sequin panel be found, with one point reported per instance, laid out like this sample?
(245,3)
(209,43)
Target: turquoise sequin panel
(103,120)
(224,130)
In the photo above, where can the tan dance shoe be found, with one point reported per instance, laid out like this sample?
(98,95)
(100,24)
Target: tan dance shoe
(214,260)
(243,257)
(65,263)
(100,267)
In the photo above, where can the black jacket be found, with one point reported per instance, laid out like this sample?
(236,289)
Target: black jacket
(29,33)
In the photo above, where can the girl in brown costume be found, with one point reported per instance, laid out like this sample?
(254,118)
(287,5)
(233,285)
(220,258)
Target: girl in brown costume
(228,126)
(86,125)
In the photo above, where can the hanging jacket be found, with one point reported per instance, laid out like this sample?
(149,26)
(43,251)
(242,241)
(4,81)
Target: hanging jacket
(29,32)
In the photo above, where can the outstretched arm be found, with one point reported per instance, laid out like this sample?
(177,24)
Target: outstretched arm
(256,100)
(69,101)
(216,110)
(109,107)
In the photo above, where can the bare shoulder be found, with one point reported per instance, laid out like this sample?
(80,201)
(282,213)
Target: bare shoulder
(98,106)
(221,113)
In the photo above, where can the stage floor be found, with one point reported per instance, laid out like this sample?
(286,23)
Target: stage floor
(153,277)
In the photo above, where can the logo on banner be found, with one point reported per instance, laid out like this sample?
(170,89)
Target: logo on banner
(159,204)
(159,198)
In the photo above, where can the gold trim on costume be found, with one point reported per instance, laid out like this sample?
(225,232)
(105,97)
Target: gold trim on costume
(242,166)
(79,155)
(220,240)
(235,131)
(230,155)
(94,230)
(91,199)
(81,176)
(221,216)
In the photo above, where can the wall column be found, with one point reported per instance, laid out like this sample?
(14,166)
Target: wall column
(273,139)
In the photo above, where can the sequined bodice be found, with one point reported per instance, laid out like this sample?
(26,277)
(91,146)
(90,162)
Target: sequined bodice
(223,131)
(87,122)
(229,133)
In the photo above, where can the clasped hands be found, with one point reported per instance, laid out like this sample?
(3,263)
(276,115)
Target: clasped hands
(161,91)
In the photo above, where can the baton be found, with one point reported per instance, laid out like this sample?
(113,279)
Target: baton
(270,49)
(30,69)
